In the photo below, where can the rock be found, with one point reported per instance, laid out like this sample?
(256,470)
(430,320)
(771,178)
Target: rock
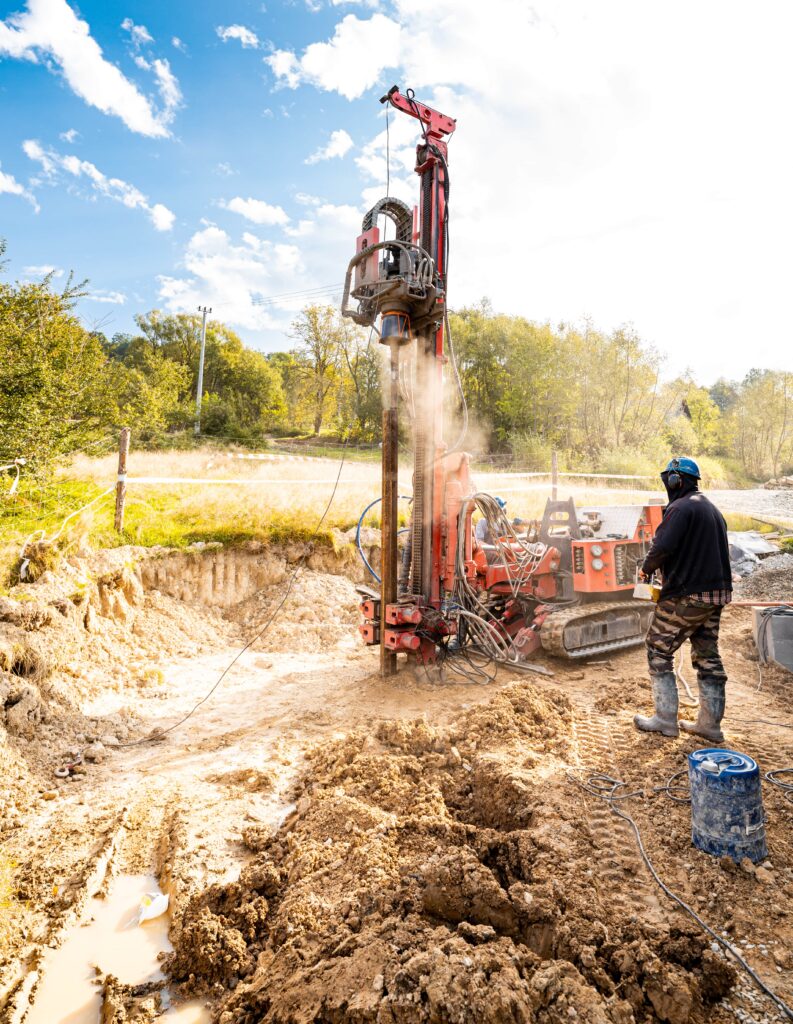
(764,875)
(94,751)
(109,740)
(476,934)
(49,794)
(378,982)
(747,866)
(668,990)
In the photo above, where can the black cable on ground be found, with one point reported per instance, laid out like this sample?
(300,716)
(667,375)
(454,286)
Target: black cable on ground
(158,734)
(677,791)
(607,788)
(775,778)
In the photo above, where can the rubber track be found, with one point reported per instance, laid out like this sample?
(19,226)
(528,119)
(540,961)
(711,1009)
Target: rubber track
(552,631)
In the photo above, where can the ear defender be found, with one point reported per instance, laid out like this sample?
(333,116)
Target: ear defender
(674,479)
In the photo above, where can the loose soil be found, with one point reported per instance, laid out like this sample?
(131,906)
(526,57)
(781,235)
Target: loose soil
(342,848)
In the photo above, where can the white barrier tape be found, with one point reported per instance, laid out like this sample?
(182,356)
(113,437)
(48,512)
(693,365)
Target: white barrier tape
(584,476)
(236,482)
(122,478)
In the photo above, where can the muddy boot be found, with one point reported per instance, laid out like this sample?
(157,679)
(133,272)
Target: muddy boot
(711,711)
(665,699)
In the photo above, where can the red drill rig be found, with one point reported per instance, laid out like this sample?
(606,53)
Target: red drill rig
(450,599)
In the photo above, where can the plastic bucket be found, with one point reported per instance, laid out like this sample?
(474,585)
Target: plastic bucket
(727,815)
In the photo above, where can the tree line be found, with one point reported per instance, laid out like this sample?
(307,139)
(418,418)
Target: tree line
(597,398)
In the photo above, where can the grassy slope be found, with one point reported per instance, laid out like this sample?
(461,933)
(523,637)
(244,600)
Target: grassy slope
(281,501)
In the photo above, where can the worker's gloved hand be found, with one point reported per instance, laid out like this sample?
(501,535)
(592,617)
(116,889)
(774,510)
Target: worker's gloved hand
(643,576)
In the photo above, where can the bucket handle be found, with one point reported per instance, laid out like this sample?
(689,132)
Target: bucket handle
(716,765)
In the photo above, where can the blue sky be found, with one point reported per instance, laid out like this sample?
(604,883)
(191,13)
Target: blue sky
(612,160)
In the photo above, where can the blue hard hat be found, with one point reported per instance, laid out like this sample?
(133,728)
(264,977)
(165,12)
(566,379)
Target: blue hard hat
(684,465)
(501,503)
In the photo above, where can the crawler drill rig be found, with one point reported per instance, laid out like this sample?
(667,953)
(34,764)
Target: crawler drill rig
(450,599)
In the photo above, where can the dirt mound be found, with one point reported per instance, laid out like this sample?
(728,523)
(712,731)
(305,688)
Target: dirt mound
(320,609)
(438,874)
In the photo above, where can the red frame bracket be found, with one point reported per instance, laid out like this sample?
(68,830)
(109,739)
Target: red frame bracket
(436,124)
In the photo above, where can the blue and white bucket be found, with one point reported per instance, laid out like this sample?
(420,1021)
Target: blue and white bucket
(727,815)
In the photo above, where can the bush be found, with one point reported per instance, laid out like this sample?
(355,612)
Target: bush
(532,453)
(629,461)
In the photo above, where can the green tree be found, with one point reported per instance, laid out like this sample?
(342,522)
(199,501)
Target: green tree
(242,390)
(318,331)
(53,376)
(360,398)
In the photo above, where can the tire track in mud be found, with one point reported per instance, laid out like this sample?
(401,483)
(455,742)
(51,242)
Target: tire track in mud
(619,871)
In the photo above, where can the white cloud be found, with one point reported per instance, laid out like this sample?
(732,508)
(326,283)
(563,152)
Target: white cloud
(256,211)
(70,136)
(602,141)
(10,186)
(168,85)
(179,44)
(225,169)
(139,34)
(55,165)
(42,271)
(49,32)
(113,298)
(231,277)
(161,217)
(286,68)
(246,36)
(349,63)
(338,145)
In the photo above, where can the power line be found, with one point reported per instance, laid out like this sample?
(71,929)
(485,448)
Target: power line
(302,293)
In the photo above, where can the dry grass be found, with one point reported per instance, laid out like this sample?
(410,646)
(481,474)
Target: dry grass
(272,499)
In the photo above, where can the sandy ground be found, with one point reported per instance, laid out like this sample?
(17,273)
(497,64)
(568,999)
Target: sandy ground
(339,847)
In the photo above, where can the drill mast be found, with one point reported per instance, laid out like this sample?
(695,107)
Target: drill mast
(407,288)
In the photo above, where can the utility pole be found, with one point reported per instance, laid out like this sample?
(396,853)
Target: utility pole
(200,387)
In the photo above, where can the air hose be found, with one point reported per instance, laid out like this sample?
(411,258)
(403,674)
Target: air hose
(364,559)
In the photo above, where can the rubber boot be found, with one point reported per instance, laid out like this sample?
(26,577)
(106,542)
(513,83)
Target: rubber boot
(711,711)
(665,699)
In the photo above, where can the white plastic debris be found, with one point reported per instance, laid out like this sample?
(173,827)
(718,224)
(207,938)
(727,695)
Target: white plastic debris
(152,904)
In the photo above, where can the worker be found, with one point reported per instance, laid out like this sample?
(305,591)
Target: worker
(691,551)
(482,531)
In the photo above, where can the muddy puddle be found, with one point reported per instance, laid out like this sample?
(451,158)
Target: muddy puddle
(107,940)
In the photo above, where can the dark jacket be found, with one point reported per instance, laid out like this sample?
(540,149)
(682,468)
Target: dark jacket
(691,547)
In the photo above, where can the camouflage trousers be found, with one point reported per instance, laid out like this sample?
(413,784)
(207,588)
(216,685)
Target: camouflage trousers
(677,620)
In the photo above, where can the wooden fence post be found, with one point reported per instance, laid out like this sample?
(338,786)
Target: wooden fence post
(121,484)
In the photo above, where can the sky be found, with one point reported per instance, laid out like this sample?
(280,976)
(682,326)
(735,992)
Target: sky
(626,162)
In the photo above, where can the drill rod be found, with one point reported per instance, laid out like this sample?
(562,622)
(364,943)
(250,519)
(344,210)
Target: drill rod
(390,484)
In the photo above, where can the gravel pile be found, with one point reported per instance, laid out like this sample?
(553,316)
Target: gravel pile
(772,580)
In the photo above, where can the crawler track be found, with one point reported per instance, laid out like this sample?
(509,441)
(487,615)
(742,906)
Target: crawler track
(557,639)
